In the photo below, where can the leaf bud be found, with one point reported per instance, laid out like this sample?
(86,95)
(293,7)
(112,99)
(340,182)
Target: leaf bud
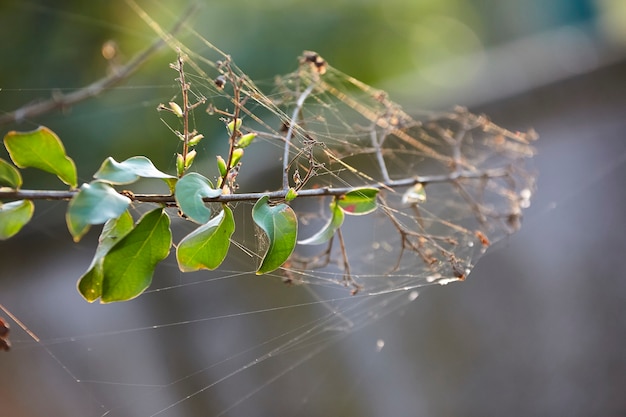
(190,157)
(180,165)
(221,165)
(176,109)
(246,140)
(237,154)
(195,140)
(291,194)
(234,125)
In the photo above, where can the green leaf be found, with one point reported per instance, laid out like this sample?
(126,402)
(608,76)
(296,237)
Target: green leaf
(190,190)
(129,171)
(207,246)
(13,216)
(359,201)
(328,231)
(9,175)
(281,228)
(41,149)
(90,284)
(95,203)
(128,267)
(291,194)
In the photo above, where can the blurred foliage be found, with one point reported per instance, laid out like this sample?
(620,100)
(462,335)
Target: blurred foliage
(59,48)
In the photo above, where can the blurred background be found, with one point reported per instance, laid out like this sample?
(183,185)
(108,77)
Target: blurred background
(539,328)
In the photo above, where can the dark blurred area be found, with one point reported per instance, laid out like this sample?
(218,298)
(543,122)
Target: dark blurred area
(539,328)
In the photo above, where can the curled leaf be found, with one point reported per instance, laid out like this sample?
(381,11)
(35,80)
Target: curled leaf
(190,191)
(13,216)
(328,231)
(129,170)
(280,227)
(9,175)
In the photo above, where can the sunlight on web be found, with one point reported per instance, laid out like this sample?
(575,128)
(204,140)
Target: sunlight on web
(450,185)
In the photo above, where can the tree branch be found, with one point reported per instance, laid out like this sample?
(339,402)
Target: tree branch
(62,101)
(11,194)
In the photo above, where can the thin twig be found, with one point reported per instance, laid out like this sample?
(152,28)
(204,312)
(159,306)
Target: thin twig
(274,195)
(379,155)
(289,135)
(63,101)
(234,134)
(184,88)
(347,275)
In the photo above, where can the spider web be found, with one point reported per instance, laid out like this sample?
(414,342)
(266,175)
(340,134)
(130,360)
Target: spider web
(451,184)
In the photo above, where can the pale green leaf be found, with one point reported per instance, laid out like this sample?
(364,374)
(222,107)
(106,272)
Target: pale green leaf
(359,201)
(90,284)
(414,195)
(291,194)
(42,149)
(129,170)
(128,267)
(190,190)
(280,226)
(13,216)
(95,203)
(328,231)
(207,246)
(9,175)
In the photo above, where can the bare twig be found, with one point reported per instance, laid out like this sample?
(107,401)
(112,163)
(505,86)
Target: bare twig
(289,134)
(347,276)
(235,133)
(63,101)
(274,195)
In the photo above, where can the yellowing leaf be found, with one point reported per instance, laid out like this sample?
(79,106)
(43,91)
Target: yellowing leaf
(13,216)
(9,175)
(42,149)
